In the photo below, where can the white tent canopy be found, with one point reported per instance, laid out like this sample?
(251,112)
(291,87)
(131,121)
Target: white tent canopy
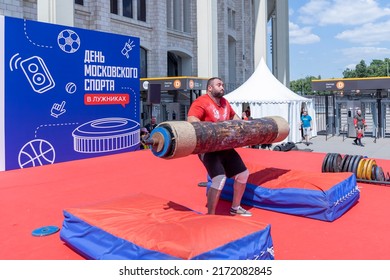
(267,96)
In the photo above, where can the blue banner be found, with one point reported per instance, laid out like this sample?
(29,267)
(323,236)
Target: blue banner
(69,93)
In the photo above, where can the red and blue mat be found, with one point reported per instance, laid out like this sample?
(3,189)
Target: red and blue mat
(322,196)
(144,227)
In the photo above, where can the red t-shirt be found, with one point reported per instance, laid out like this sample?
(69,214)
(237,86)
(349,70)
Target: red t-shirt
(205,109)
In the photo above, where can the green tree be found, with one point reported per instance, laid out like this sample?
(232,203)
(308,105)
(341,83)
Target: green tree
(349,73)
(386,67)
(361,69)
(303,86)
(377,68)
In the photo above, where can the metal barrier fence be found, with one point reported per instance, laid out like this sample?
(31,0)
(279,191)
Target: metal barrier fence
(333,116)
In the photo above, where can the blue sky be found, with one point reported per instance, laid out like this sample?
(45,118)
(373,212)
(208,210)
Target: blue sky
(328,36)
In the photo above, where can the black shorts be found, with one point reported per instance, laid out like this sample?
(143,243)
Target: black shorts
(226,162)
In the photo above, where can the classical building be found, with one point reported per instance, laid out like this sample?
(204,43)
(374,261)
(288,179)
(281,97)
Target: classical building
(180,37)
(201,38)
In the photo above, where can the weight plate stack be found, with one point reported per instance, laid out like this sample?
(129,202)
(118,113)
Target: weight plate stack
(332,163)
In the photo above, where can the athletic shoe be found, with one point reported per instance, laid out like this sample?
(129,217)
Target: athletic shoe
(240,211)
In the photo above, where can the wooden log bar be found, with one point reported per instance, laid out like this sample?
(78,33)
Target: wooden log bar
(175,139)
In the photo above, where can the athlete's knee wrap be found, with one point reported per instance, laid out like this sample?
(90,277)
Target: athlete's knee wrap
(242,177)
(218,182)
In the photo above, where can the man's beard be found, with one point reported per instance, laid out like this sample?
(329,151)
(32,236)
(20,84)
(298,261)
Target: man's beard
(218,94)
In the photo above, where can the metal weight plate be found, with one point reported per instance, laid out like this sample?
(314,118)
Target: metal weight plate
(323,169)
(370,164)
(44,231)
(328,158)
(373,172)
(364,169)
(329,162)
(379,174)
(346,164)
(355,164)
(360,169)
(343,161)
(336,163)
(351,158)
(349,169)
(365,166)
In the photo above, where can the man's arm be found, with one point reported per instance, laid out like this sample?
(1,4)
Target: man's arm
(236,117)
(193,119)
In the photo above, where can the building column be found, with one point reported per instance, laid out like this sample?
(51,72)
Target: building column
(207,38)
(260,41)
(56,11)
(280,38)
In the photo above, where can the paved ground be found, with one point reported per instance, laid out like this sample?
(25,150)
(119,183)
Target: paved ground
(379,148)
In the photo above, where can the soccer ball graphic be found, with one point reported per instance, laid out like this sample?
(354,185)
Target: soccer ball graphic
(68,41)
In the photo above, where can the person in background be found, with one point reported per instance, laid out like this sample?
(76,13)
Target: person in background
(360,124)
(306,126)
(144,134)
(300,128)
(213,107)
(244,116)
(248,112)
(152,125)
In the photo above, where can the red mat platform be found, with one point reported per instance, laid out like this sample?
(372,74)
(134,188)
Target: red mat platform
(36,197)
(145,227)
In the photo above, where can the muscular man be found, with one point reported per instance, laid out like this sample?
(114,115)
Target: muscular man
(213,107)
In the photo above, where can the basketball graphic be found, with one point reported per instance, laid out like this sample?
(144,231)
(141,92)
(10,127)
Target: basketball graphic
(36,153)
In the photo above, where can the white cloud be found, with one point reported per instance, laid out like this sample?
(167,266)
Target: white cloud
(369,34)
(312,11)
(345,12)
(301,36)
(356,54)
(290,12)
(348,31)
